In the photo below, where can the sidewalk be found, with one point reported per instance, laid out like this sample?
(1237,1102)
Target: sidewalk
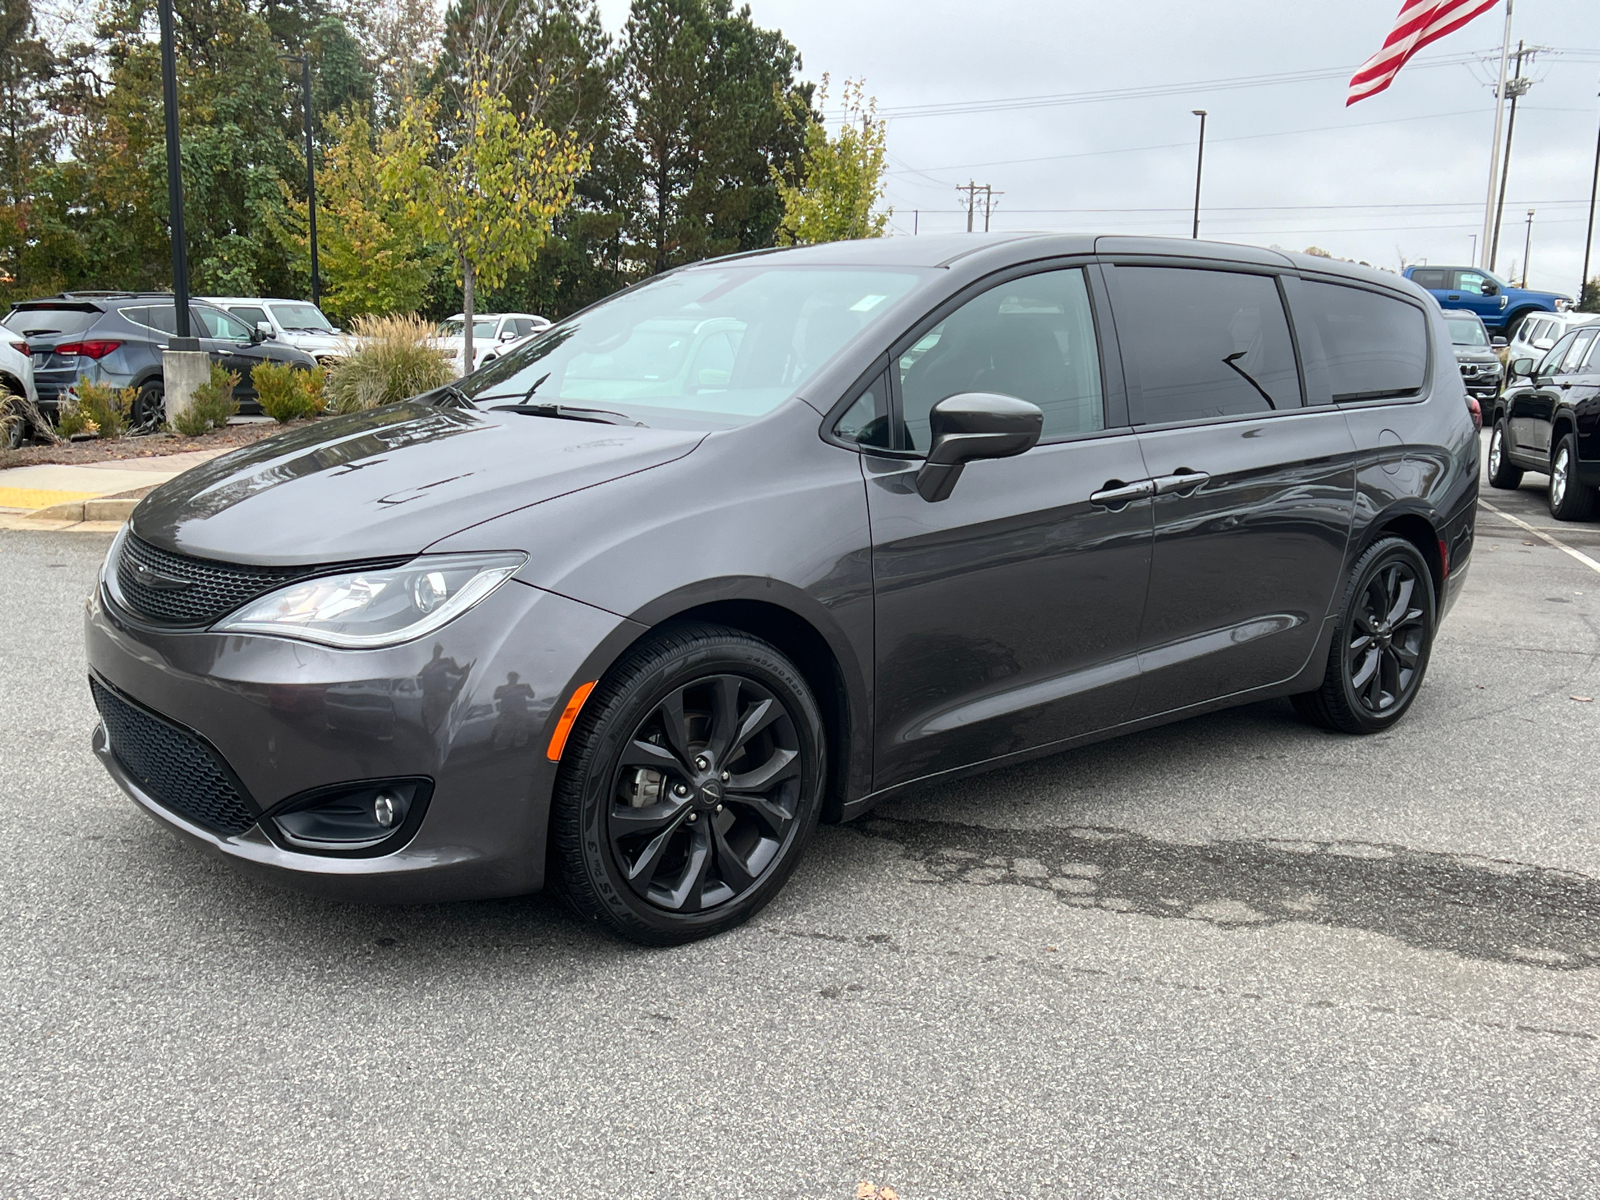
(59,497)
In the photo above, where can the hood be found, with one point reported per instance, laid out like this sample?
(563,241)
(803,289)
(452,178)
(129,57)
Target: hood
(1479,354)
(319,341)
(388,482)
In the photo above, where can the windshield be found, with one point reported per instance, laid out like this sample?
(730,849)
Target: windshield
(708,347)
(306,318)
(1466,331)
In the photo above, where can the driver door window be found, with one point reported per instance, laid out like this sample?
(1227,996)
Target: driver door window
(1471,283)
(1032,338)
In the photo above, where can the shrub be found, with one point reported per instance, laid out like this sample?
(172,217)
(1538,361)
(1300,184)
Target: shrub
(95,408)
(212,404)
(287,393)
(393,361)
(19,417)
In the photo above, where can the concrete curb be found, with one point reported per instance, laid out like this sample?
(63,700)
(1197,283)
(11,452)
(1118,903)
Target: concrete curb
(86,510)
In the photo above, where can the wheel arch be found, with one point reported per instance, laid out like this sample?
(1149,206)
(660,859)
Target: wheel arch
(1418,528)
(1563,424)
(12,384)
(827,664)
(1517,317)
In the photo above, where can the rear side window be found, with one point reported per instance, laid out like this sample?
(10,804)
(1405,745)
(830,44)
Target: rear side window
(250,316)
(1573,362)
(1375,346)
(1435,280)
(39,322)
(1204,343)
(1032,338)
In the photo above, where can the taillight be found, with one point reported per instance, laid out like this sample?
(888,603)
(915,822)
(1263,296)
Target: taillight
(1476,410)
(21,348)
(88,349)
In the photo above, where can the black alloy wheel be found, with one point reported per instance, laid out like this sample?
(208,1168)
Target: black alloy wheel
(149,412)
(1570,500)
(1501,473)
(1381,644)
(689,787)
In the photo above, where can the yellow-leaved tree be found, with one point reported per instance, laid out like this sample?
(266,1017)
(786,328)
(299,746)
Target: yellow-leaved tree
(482,182)
(843,176)
(374,259)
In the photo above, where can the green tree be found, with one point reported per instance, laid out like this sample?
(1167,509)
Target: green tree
(1589,301)
(712,103)
(842,178)
(373,258)
(484,184)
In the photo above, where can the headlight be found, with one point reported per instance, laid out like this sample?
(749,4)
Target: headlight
(380,607)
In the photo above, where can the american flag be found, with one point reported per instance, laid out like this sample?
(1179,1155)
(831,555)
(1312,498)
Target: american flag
(1420,23)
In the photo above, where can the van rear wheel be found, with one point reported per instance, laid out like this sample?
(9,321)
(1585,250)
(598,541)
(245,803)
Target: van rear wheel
(1380,645)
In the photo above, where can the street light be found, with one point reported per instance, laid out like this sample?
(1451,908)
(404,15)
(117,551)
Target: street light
(1199,164)
(180,258)
(311,171)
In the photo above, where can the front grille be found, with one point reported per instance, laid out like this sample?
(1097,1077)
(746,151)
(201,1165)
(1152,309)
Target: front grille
(196,591)
(174,767)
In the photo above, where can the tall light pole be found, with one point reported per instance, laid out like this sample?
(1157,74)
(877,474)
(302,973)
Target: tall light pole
(1516,88)
(1588,237)
(311,172)
(180,257)
(1199,166)
(1527,246)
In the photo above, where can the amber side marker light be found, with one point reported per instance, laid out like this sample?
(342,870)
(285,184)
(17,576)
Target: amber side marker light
(558,739)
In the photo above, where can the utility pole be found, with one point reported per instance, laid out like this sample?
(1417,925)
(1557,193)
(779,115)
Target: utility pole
(988,204)
(972,189)
(311,172)
(1494,147)
(916,220)
(1473,257)
(1588,237)
(1516,88)
(1199,165)
(1527,246)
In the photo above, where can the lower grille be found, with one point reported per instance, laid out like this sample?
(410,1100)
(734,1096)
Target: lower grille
(174,767)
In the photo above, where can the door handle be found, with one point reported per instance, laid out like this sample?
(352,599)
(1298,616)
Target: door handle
(1116,494)
(1180,483)
(1566,387)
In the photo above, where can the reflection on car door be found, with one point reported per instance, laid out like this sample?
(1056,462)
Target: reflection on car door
(1585,401)
(1254,492)
(1530,410)
(1007,615)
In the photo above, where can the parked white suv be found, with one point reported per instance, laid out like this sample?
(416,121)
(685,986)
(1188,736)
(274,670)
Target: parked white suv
(1541,331)
(490,332)
(16,377)
(293,322)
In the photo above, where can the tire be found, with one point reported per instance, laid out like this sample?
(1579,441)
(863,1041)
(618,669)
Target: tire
(149,408)
(1501,473)
(1569,499)
(655,836)
(1381,643)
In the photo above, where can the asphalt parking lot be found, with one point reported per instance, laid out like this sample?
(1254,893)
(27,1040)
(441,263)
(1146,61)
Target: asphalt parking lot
(1235,956)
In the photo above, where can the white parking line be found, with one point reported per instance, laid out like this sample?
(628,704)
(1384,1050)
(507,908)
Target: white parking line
(1543,536)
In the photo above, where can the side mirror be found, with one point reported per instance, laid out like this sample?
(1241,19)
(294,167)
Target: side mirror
(1490,289)
(970,426)
(509,335)
(1497,342)
(1522,366)
(260,333)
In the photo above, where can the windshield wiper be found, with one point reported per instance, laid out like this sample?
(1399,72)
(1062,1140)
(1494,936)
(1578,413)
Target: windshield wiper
(601,416)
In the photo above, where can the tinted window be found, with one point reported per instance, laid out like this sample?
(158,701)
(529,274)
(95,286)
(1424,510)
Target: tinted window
(1573,362)
(41,321)
(1437,280)
(1375,346)
(1592,366)
(250,316)
(866,422)
(1553,356)
(161,317)
(1032,338)
(1205,343)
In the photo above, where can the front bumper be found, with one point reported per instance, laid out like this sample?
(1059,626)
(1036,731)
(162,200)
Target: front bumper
(470,708)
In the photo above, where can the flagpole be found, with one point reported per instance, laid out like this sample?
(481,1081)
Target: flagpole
(1494,152)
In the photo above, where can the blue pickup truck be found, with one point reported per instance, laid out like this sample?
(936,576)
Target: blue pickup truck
(1501,306)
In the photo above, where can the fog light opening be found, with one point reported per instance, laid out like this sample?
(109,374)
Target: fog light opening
(350,819)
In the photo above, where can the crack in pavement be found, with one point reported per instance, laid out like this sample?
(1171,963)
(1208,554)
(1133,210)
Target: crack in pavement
(1478,908)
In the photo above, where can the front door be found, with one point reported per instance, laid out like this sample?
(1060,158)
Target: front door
(1476,292)
(1254,492)
(1007,615)
(1531,410)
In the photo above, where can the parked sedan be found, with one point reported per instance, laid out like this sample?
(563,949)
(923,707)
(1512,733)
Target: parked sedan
(1547,423)
(938,505)
(116,338)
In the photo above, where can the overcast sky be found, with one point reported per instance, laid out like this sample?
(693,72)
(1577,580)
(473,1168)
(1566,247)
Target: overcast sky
(1403,172)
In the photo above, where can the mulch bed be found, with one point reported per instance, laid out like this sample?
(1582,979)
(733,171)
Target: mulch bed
(150,446)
